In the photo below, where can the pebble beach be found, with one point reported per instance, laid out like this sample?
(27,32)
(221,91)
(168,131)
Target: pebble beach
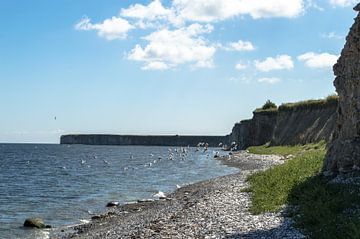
(216,208)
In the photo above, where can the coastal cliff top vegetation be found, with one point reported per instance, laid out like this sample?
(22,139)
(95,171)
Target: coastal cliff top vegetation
(306,104)
(310,104)
(269,106)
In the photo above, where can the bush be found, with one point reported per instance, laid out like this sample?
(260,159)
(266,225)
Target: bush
(269,105)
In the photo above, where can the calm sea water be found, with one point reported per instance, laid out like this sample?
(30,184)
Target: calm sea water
(63,184)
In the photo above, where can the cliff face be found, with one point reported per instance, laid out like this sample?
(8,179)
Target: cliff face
(175,140)
(256,131)
(263,125)
(287,126)
(304,125)
(344,151)
(241,134)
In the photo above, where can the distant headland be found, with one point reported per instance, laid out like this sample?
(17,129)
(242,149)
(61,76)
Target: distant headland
(144,140)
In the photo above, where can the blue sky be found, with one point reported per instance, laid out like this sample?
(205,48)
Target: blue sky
(160,67)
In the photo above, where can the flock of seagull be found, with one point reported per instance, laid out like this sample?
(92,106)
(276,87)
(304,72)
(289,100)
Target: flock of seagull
(181,153)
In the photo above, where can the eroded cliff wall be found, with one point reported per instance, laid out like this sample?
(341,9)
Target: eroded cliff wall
(304,125)
(344,152)
(256,131)
(299,124)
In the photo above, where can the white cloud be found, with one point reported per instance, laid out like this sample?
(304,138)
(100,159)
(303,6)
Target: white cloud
(152,11)
(110,29)
(170,48)
(332,35)
(155,65)
(216,10)
(343,3)
(314,60)
(269,80)
(146,15)
(240,46)
(281,62)
(239,66)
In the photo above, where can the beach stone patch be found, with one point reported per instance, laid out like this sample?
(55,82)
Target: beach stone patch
(216,208)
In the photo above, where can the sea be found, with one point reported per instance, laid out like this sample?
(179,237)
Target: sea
(67,184)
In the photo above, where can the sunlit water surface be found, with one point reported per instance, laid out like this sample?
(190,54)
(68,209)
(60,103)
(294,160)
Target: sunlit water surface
(63,184)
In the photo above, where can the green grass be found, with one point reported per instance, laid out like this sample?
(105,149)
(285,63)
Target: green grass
(320,207)
(270,110)
(310,104)
(287,150)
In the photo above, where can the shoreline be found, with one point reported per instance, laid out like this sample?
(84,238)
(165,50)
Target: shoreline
(214,208)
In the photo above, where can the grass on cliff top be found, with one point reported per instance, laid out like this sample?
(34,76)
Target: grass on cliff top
(270,110)
(306,104)
(321,209)
(309,104)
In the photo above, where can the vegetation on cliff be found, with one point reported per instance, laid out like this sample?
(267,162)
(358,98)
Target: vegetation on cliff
(310,104)
(321,208)
(269,106)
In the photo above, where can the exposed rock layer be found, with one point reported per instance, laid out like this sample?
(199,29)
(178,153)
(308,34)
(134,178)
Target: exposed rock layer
(298,125)
(344,151)
(303,126)
(256,131)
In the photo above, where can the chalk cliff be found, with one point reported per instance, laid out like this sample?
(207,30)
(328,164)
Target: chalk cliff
(344,152)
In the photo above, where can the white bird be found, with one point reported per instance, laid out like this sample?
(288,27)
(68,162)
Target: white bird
(160,195)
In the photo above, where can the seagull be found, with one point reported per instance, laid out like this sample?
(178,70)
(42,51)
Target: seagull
(160,195)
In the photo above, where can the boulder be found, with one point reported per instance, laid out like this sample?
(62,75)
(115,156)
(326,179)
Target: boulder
(112,204)
(35,223)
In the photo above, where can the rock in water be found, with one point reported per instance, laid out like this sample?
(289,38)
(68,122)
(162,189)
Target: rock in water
(112,204)
(35,223)
(344,152)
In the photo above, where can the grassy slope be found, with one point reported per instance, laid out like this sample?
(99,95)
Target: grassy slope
(322,209)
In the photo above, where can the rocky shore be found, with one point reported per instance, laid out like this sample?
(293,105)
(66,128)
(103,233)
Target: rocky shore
(216,208)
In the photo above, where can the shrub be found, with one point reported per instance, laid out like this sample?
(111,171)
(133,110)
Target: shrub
(269,105)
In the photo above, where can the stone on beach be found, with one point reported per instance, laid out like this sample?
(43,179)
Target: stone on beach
(35,223)
(112,204)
